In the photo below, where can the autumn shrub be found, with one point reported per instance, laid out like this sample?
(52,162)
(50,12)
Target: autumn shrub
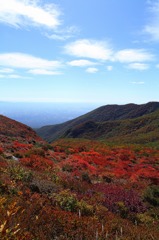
(152,195)
(43,186)
(119,200)
(37,162)
(85,208)
(66,200)
(85,177)
(3,163)
(1,150)
(18,173)
(10,228)
(144,218)
(36,151)
(67,168)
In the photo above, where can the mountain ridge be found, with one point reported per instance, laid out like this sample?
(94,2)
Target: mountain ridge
(107,113)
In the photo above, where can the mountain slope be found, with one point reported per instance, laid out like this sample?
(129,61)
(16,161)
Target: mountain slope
(100,122)
(140,130)
(11,131)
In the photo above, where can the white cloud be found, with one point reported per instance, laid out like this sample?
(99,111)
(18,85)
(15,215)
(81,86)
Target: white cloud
(19,13)
(89,49)
(81,63)
(138,66)
(33,64)
(109,68)
(26,61)
(43,72)
(139,83)
(16,76)
(92,70)
(13,76)
(6,70)
(63,34)
(133,55)
(152,28)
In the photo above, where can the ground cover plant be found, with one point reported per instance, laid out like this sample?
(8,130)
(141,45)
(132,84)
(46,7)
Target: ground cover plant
(78,189)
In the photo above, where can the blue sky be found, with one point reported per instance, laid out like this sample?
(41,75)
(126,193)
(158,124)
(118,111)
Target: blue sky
(89,51)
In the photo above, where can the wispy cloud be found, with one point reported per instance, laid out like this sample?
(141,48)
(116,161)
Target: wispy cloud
(43,72)
(138,66)
(109,68)
(89,49)
(63,34)
(31,63)
(152,27)
(6,70)
(133,55)
(92,70)
(20,60)
(81,63)
(20,13)
(138,83)
(101,52)
(13,76)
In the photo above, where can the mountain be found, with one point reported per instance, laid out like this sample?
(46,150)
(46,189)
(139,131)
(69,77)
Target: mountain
(110,123)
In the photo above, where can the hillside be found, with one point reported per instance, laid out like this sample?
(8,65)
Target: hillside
(15,133)
(77,188)
(140,130)
(109,122)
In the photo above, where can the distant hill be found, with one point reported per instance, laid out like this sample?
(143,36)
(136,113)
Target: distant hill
(126,123)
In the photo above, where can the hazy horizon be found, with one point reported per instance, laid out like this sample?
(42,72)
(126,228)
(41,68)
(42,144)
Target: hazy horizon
(36,114)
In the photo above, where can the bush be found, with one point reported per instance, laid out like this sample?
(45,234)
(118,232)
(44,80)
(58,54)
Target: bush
(18,173)
(144,218)
(119,200)
(43,186)
(152,195)
(67,201)
(85,177)
(85,208)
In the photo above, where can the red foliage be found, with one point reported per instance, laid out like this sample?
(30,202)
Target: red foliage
(1,150)
(116,195)
(97,158)
(37,163)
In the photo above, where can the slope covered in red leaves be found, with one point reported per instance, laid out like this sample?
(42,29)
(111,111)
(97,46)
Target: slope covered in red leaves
(76,189)
(14,135)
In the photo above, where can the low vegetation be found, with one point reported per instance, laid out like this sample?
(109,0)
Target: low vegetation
(78,189)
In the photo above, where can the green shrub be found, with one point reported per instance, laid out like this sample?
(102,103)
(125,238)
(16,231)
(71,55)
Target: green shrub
(144,218)
(18,173)
(85,208)
(152,195)
(67,201)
